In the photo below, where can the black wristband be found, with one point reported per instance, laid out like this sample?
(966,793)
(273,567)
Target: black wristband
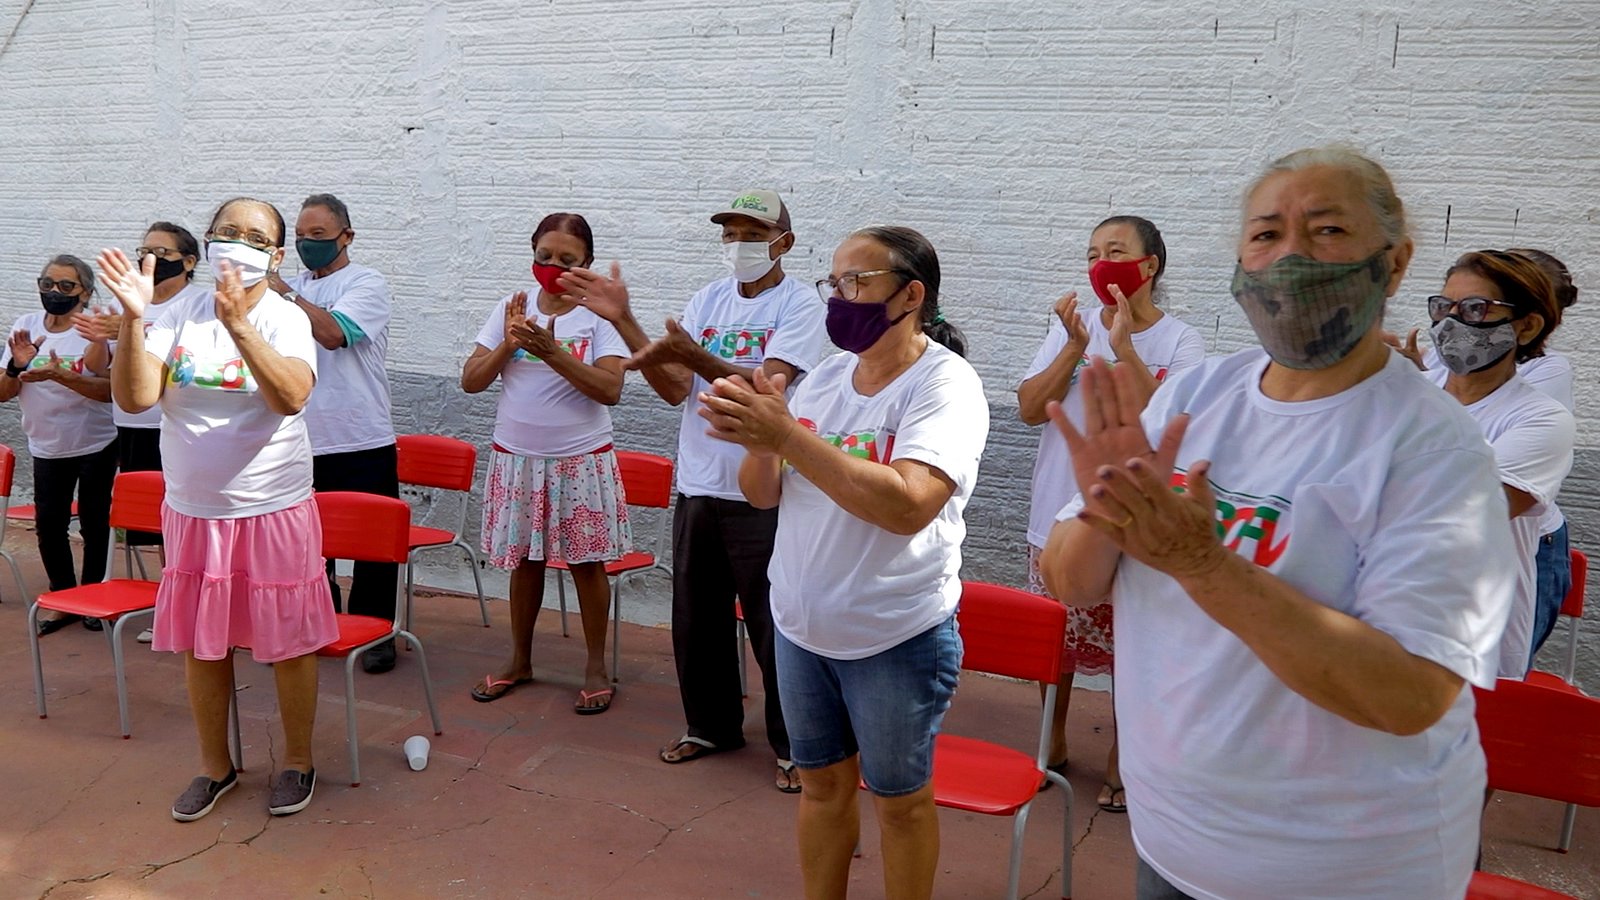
(14,370)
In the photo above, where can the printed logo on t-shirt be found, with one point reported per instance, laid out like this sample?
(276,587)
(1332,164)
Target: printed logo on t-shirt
(68,363)
(1160,372)
(1247,525)
(211,374)
(872,445)
(742,342)
(578,347)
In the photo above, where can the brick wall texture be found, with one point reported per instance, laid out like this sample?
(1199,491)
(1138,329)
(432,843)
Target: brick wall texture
(1003,130)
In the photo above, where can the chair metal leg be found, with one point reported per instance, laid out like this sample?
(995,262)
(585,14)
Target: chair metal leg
(410,587)
(16,572)
(38,664)
(427,681)
(1019,826)
(350,716)
(138,558)
(1567,822)
(115,631)
(616,629)
(477,579)
(1066,837)
(561,597)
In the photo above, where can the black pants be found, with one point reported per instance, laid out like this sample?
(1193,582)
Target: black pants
(54,481)
(139,450)
(375,471)
(720,550)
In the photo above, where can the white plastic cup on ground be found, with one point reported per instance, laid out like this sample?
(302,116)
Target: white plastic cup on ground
(416,748)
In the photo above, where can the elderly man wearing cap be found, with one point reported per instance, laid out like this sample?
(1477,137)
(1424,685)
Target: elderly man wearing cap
(758,318)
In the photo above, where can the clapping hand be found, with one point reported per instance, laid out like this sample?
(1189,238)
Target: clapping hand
(516,314)
(1066,309)
(754,415)
(24,347)
(97,326)
(606,297)
(231,303)
(675,346)
(1121,336)
(133,286)
(51,372)
(539,342)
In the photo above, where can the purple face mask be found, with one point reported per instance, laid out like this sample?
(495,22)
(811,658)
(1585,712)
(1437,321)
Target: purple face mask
(856,326)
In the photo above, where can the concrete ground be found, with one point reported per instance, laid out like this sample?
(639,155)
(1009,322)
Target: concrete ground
(521,798)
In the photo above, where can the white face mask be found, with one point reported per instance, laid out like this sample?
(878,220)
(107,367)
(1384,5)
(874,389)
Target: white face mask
(750,260)
(250,263)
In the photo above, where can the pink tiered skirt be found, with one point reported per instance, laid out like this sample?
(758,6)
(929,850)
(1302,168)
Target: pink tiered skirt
(255,582)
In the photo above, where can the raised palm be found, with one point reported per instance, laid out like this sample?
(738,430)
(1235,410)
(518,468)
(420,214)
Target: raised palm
(134,286)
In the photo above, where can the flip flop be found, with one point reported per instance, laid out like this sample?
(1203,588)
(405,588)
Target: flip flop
(706,748)
(1114,805)
(490,682)
(586,696)
(787,767)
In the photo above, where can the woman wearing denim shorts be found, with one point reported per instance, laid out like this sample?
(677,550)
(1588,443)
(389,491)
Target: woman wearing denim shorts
(870,465)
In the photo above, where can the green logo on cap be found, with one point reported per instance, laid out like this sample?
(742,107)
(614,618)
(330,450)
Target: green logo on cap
(750,201)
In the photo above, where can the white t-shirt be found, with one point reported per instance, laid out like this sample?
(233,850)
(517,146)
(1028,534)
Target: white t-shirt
(1381,502)
(1552,375)
(1532,439)
(847,589)
(784,322)
(349,410)
(540,413)
(224,454)
(59,421)
(150,418)
(1167,348)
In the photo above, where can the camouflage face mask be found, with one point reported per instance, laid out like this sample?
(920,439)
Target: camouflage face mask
(1309,314)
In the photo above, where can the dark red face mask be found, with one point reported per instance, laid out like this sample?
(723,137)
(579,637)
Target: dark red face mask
(547,276)
(1124,273)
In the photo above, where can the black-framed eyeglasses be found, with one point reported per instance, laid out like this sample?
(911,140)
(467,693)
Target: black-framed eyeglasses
(848,285)
(1471,310)
(65,285)
(229,234)
(160,252)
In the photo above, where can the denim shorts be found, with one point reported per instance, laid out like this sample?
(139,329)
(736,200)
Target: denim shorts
(1554,580)
(886,707)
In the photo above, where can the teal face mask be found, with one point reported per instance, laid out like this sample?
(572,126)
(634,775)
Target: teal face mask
(317,254)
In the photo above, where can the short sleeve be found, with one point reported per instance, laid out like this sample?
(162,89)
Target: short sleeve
(690,320)
(607,341)
(1535,454)
(1055,338)
(1551,374)
(162,335)
(493,332)
(797,336)
(1438,571)
(366,303)
(946,423)
(1190,352)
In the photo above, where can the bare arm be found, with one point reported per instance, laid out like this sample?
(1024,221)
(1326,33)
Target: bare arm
(137,378)
(94,387)
(325,328)
(484,366)
(1521,501)
(600,382)
(761,480)
(1053,383)
(285,383)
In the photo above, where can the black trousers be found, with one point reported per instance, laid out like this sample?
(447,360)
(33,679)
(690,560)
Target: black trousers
(375,471)
(139,450)
(720,550)
(54,482)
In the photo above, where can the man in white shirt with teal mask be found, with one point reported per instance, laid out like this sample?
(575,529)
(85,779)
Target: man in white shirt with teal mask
(352,437)
(756,318)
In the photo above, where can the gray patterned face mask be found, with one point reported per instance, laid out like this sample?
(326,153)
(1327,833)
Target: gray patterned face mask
(1310,314)
(1465,349)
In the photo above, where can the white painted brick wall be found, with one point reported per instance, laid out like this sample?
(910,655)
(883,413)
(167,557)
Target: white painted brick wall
(1004,130)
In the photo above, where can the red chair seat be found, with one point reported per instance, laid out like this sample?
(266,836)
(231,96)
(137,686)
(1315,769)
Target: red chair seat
(27,512)
(423,536)
(982,777)
(355,631)
(1485,886)
(631,562)
(1549,680)
(102,600)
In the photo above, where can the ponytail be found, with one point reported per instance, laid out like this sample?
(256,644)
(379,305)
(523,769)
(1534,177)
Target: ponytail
(911,252)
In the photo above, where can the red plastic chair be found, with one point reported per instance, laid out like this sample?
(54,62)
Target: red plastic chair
(364,528)
(1572,609)
(647,481)
(1015,634)
(8,473)
(136,499)
(436,461)
(1539,741)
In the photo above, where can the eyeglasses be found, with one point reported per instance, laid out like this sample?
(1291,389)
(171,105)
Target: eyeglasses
(1470,310)
(229,234)
(848,285)
(160,252)
(65,285)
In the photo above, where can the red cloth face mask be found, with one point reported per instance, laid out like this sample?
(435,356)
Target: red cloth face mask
(1124,273)
(546,275)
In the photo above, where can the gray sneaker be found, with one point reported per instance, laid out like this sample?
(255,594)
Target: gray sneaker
(291,792)
(200,796)
(146,636)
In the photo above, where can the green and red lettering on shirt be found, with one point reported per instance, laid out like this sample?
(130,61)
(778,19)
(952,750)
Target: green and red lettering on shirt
(741,342)
(578,347)
(1246,524)
(864,444)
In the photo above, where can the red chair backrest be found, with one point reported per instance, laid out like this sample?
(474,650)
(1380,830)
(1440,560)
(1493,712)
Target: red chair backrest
(136,499)
(646,478)
(1572,604)
(433,460)
(1541,741)
(1010,632)
(364,527)
(8,469)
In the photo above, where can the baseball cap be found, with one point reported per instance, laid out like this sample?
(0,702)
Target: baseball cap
(761,205)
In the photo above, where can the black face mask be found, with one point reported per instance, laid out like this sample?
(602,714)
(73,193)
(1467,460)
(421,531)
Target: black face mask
(168,268)
(56,303)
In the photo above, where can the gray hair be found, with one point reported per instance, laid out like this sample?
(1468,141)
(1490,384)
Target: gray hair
(85,274)
(1376,185)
